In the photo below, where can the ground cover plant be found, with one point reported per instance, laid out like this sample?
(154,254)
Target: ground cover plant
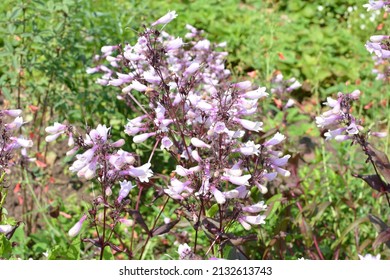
(248,130)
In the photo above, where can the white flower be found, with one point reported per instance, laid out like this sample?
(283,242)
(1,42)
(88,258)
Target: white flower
(166,18)
(126,222)
(250,148)
(17,123)
(13,112)
(25,143)
(142,137)
(220,127)
(256,94)
(53,137)
(250,125)
(56,128)
(174,44)
(280,161)
(126,187)
(166,143)
(369,257)
(276,139)
(246,221)
(237,180)
(5,229)
(143,173)
(184,250)
(100,133)
(75,230)
(256,208)
(192,68)
(151,78)
(199,143)
(218,195)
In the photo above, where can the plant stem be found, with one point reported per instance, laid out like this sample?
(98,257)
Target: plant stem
(153,227)
(45,218)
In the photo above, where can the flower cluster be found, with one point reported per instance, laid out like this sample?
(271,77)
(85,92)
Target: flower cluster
(340,117)
(281,89)
(200,117)
(344,125)
(379,46)
(9,141)
(96,156)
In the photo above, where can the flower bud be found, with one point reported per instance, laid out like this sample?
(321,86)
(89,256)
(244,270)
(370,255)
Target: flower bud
(75,230)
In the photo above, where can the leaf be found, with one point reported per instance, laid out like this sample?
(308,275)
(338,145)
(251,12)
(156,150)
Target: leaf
(5,247)
(114,247)
(139,219)
(11,233)
(212,210)
(164,228)
(381,162)
(375,182)
(73,252)
(381,227)
(378,223)
(383,237)
(236,254)
(239,240)
(210,225)
(107,254)
(348,230)
(95,242)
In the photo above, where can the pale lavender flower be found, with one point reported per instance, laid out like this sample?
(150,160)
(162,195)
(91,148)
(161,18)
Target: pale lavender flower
(166,143)
(75,230)
(374,5)
(5,229)
(12,112)
(199,143)
(142,137)
(369,257)
(237,180)
(126,187)
(219,196)
(256,94)
(275,140)
(165,19)
(247,221)
(250,125)
(184,251)
(256,208)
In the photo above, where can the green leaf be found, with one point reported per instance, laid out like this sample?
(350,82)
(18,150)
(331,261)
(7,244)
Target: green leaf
(107,254)
(212,210)
(5,247)
(348,230)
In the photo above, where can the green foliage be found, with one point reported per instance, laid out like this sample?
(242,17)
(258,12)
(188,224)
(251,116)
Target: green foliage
(46,46)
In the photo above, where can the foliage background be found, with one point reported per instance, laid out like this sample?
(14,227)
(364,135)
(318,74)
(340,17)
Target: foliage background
(322,212)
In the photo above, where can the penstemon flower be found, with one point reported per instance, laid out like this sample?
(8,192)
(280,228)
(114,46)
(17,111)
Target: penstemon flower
(375,5)
(10,141)
(97,157)
(206,123)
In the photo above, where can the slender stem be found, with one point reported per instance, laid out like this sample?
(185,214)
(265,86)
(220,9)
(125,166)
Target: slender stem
(102,240)
(133,227)
(197,224)
(56,232)
(317,247)
(136,102)
(154,149)
(154,225)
